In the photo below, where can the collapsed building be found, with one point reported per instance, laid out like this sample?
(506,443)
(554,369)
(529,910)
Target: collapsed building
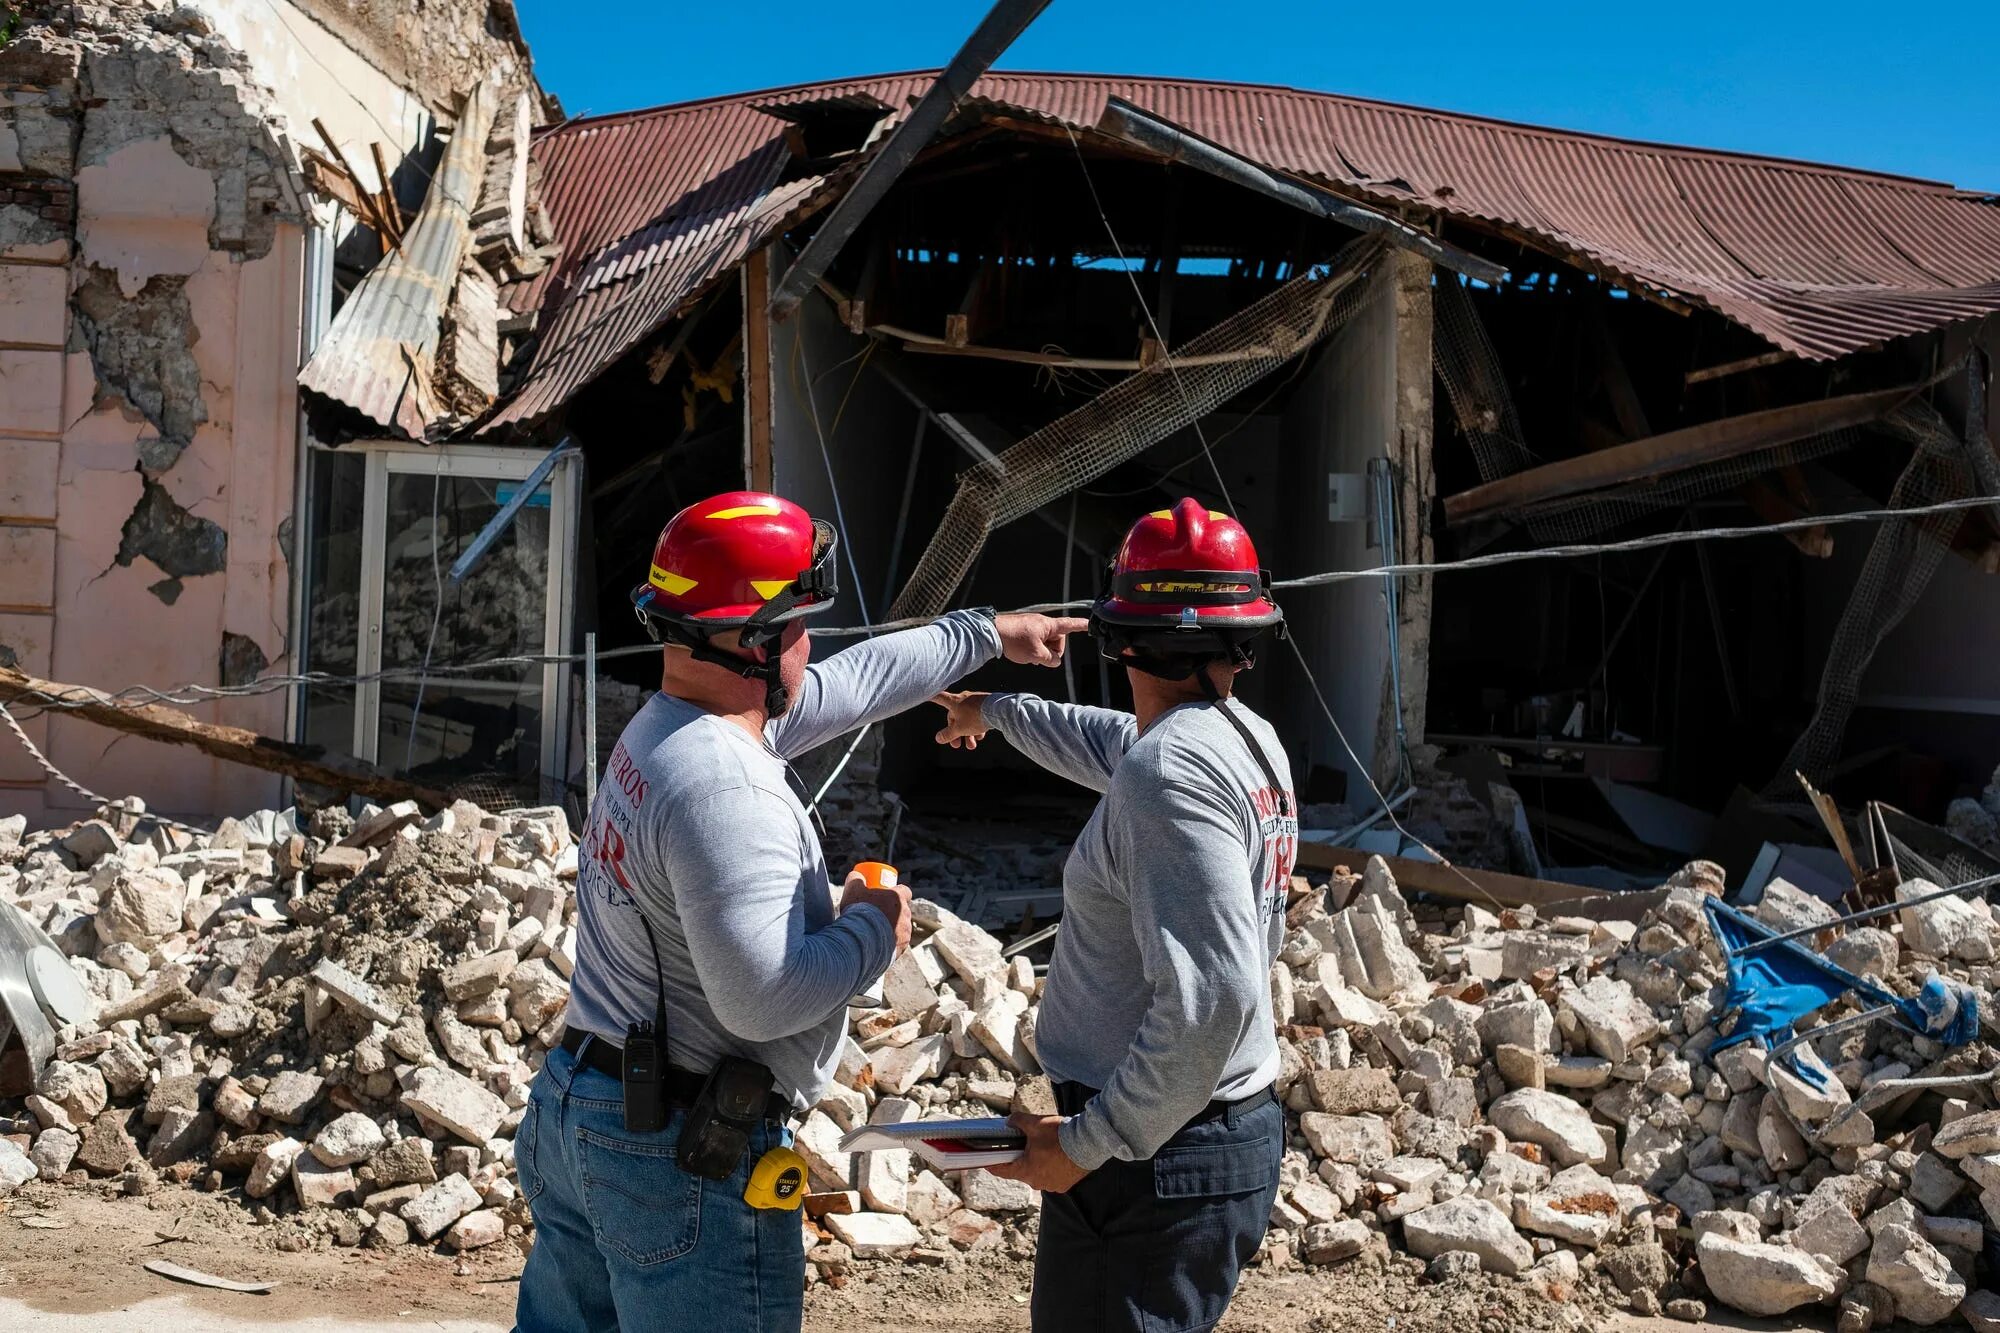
(1381,334)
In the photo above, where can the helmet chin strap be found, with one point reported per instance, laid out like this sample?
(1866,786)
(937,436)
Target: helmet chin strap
(777,699)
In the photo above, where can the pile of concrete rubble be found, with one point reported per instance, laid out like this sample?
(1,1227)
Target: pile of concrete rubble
(340,1022)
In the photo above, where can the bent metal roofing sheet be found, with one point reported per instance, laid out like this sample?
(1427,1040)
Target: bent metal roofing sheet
(652,206)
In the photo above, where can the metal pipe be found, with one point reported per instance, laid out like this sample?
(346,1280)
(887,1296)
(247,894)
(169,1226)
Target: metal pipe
(995,33)
(1143,129)
(1869,914)
(502,520)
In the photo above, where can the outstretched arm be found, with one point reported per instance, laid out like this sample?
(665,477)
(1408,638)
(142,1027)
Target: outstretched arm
(1081,744)
(884,676)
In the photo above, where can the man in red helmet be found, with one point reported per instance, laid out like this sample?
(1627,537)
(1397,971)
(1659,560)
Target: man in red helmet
(713,967)
(1159,1175)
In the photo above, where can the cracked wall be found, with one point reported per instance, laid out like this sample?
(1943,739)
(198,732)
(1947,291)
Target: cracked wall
(151,249)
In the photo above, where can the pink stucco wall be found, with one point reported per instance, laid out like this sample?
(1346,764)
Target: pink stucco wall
(70,476)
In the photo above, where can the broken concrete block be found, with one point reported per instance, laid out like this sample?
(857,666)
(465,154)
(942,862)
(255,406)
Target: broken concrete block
(439,1206)
(477,1229)
(874,1235)
(910,985)
(1761,1279)
(1785,906)
(1364,1091)
(1553,1121)
(1912,1270)
(1525,952)
(477,976)
(347,1139)
(1831,1232)
(985,1192)
(972,953)
(448,1098)
(1978,1132)
(998,1029)
(317,1184)
(898,1069)
(1330,1242)
(141,906)
(1779,1142)
(818,1141)
(1947,928)
(351,992)
(1473,1225)
(1362,1140)
(289,1096)
(1615,1021)
(1866,951)
(17,1168)
(272,1167)
(336,864)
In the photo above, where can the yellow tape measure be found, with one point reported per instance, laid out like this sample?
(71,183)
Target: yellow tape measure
(777,1181)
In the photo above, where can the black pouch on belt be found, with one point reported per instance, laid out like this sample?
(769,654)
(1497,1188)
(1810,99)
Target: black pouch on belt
(717,1132)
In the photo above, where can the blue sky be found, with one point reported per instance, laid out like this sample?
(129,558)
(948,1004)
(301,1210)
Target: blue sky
(1908,89)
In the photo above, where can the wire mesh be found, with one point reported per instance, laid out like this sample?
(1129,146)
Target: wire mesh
(1906,553)
(1135,414)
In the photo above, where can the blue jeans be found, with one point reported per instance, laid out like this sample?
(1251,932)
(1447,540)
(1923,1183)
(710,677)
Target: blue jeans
(627,1241)
(1156,1246)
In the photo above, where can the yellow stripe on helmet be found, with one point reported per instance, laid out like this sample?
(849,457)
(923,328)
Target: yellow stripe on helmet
(746,511)
(673,584)
(769,588)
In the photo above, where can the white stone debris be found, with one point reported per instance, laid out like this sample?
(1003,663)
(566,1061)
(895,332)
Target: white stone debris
(343,1018)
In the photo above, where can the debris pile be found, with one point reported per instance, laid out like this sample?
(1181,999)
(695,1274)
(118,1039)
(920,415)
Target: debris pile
(341,1022)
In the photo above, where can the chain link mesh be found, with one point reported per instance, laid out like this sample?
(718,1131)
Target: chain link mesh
(1135,414)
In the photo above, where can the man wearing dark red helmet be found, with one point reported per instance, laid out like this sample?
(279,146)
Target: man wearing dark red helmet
(1159,1175)
(713,967)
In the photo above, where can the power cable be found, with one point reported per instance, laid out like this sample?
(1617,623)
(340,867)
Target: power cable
(35,753)
(136,696)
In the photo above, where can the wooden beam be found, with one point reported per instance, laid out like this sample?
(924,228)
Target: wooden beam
(1458,883)
(392,212)
(1773,507)
(758,470)
(1676,451)
(156,722)
(1707,373)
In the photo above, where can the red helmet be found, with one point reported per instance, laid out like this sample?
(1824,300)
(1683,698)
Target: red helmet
(1186,583)
(742,559)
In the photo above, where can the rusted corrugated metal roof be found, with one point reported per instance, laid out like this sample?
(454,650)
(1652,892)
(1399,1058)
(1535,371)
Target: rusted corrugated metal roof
(651,206)
(377,355)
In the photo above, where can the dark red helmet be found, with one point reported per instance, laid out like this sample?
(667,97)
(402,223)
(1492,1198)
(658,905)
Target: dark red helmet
(1185,588)
(739,560)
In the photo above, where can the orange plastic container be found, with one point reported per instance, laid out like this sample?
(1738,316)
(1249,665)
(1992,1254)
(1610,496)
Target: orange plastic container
(877,874)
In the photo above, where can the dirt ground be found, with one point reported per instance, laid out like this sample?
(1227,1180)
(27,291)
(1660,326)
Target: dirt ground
(73,1262)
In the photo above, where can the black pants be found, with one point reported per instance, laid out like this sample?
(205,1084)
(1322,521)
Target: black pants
(1156,1246)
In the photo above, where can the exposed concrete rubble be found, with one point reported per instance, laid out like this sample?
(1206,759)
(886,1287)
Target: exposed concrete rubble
(341,1022)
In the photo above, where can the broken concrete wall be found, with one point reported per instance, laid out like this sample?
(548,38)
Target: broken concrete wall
(152,237)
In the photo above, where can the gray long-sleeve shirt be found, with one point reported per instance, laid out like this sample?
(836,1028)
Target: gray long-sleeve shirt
(696,824)
(1173,912)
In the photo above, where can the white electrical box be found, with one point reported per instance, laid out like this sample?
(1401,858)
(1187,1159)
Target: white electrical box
(1346,497)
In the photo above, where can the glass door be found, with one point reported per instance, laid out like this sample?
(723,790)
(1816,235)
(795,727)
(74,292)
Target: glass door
(459,711)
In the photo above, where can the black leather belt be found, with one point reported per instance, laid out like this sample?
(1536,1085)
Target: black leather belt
(682,1085)
(1072,1097)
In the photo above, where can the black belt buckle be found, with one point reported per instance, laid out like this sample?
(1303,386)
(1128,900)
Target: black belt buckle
(717,1133)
